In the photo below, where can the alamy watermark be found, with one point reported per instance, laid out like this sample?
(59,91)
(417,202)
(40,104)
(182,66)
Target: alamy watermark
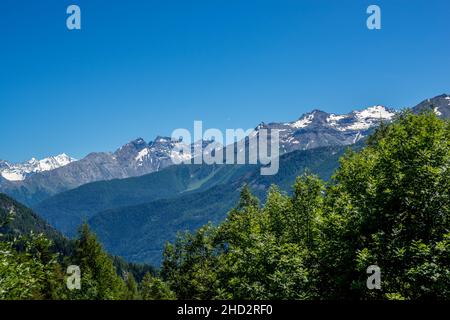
(374,280)
(73,22)
(236,146)
(374,20)
(73,281)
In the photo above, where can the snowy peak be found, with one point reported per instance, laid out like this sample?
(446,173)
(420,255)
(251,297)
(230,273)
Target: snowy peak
(354,121)
(316,117)
(312,130)
(141,157)
(20,171)
(50,163)
(320,129)
(375,112)
(304,121)
(161,150)
(364,119)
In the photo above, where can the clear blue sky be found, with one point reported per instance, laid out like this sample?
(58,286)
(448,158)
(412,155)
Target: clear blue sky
(143,68)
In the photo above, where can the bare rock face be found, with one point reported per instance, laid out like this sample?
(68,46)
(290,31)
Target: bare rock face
(439,105)
(135,158)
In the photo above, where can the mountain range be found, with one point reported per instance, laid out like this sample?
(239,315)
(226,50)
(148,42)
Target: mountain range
(136,200)
(35,181)
(21,171)
(135,158)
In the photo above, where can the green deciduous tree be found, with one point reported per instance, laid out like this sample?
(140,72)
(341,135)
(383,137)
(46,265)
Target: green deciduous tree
(387,205)
(154,288)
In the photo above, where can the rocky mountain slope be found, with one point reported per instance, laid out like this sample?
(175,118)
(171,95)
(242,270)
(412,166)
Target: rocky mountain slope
(21,171)
(136,158)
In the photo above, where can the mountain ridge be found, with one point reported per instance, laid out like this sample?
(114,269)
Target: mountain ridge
(136,158)
(20,171)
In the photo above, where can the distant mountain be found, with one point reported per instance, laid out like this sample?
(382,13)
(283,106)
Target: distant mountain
(35,181)
(321,129)
(174,199)
(68,209)
(135,158)
(21,171)
(439,105)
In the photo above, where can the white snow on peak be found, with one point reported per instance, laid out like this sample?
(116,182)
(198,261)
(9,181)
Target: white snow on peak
(142,154)
(20,171)
(12,176)
(375,112)
(437,112)
(335,117)
(303,122)
(369,117)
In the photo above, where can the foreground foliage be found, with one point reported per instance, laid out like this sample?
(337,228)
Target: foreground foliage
(30,269)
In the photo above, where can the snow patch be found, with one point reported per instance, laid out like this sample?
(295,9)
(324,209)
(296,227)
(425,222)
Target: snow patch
(437,112)
(333,118)
(303,122)
(142,154)
(13,176)
(375,112)
(368,118)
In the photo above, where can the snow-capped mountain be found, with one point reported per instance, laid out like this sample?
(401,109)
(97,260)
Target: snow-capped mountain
(133,159)
(139,157)
(20,171)
(320,129)
(36,180)
(312,130)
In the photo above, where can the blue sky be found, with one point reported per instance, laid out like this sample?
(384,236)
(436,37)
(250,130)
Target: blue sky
(144,68)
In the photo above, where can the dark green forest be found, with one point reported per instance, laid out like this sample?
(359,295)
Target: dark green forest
(386,205)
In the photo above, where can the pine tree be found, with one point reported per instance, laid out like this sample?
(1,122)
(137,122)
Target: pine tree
(99,279)
(132,288)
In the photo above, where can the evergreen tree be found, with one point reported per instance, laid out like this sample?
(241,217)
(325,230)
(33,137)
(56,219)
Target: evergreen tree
(132,288)
(99,280)
(28,270)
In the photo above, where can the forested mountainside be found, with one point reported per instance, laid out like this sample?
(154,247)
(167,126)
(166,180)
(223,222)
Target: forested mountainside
(34,258)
